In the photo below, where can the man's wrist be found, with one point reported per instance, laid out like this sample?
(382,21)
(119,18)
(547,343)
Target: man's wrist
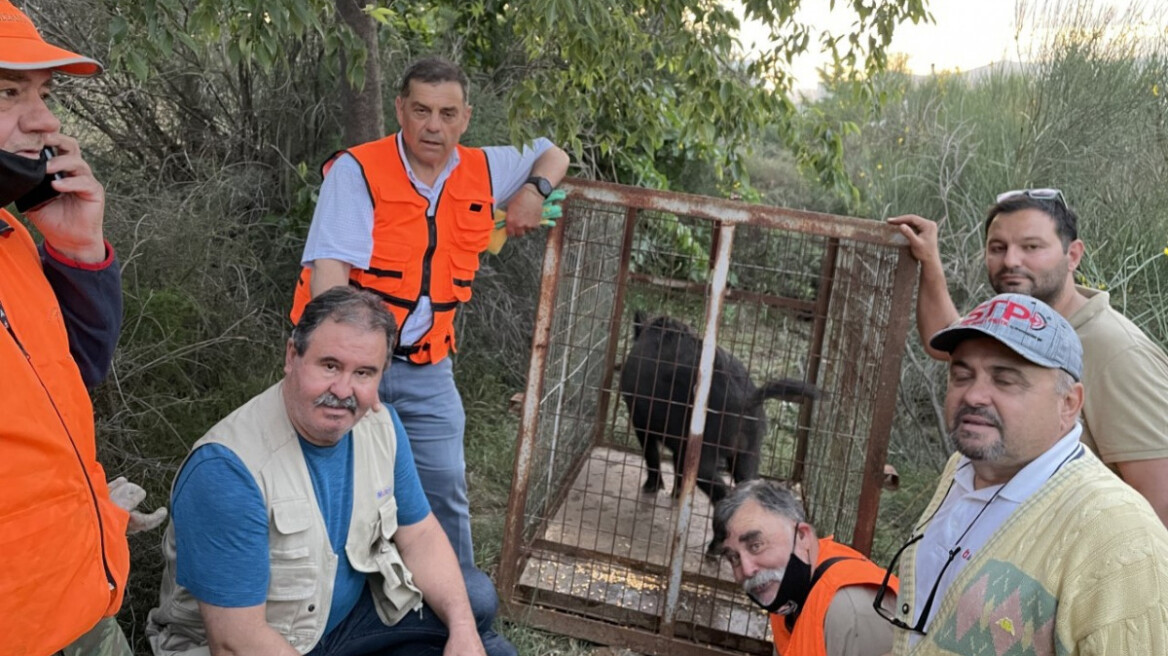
(533,191)
(933,271)
(462,622)
(92,258)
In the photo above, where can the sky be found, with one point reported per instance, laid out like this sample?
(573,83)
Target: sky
(965,34)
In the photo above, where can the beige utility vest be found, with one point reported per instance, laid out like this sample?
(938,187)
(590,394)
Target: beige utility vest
(303,565)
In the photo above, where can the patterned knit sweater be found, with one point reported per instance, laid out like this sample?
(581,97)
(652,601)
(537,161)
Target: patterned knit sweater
(1080,568)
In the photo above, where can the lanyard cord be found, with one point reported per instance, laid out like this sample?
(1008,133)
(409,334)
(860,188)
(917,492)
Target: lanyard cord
(957,543)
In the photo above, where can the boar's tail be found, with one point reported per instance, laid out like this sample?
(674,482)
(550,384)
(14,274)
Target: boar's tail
(787,389)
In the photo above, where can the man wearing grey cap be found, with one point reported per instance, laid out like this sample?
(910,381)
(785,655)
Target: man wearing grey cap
(1030,544)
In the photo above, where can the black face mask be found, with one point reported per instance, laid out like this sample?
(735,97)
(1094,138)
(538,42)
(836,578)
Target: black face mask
(23,180)
(793,589)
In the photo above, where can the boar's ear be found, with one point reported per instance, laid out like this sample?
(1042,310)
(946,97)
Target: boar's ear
(638,323)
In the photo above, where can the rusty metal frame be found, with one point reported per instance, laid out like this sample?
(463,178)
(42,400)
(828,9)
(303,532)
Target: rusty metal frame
(640,640)
(879,431)
(671,636)
(735,212)
(510,556)
(697,424)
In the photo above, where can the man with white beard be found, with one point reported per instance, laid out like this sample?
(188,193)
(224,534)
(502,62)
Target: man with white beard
(820,593)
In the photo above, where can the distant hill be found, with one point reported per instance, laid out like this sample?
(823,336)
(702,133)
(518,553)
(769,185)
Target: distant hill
(973,75)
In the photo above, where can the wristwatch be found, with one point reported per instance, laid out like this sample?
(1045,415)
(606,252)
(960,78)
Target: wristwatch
(541,185)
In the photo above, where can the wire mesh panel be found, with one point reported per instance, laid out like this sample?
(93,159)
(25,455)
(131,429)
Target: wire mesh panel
(685,344)
(575,364)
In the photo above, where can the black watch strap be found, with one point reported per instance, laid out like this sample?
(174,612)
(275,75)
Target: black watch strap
(542,185)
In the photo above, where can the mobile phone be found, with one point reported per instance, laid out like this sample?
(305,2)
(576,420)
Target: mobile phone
(43,192)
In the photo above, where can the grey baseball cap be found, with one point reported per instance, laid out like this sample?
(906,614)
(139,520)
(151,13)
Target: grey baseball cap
(1029,327)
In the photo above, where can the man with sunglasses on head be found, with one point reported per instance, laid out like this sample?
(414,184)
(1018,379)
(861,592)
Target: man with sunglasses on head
(819,593)
(1032,247)
(1030,544)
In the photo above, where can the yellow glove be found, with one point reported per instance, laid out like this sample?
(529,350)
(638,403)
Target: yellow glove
(551,212)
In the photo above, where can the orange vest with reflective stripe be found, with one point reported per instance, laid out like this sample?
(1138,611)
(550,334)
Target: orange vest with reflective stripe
(63,552)
(808,637)
(417,255)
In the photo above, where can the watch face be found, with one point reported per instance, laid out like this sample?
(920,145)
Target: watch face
(542,185)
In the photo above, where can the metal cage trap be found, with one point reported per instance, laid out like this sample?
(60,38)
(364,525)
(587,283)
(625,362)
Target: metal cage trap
(592,548)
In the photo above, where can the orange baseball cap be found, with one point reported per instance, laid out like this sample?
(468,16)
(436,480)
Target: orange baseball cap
(23,49)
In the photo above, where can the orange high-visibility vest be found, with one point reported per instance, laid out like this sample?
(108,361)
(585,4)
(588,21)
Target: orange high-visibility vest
(807,639)
(63,552)
(417,255)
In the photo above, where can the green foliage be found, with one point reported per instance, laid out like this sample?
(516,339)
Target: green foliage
(248,32)
(423,21)
(668,247)
(677,103)
(676,89)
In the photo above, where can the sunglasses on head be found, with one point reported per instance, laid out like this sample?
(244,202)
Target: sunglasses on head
(1037,194)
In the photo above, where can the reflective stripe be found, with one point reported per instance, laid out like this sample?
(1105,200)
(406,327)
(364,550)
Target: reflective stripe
(419,254)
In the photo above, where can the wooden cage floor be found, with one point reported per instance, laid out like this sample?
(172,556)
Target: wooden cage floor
(608,544)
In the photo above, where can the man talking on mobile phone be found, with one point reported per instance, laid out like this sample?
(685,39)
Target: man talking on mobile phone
(62,536)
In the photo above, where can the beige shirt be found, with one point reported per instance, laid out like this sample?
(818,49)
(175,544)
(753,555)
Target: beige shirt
(1125,380)
(852,627)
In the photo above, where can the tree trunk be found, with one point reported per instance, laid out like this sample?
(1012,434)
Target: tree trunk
(363,118)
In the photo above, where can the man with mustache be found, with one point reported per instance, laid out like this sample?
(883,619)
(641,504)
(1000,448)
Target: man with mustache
(299,524)
(1030,544)
(1032,247)
(820,593)
(407,217)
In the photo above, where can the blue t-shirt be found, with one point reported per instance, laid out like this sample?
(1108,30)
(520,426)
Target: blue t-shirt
(221,523)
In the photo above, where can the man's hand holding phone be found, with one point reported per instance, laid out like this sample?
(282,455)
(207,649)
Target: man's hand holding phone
(72,222)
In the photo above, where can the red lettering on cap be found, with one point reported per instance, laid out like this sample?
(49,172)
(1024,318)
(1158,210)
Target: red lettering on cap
(1016,311)
(1002,312)
(982,313)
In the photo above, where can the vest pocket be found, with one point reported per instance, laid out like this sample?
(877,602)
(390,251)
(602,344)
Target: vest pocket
(463,266)
(397,586)
(473,223)
(387,271)
(294,575)
(292,582)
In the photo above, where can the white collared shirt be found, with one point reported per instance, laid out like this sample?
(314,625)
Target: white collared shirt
(342,223)
(959,513)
